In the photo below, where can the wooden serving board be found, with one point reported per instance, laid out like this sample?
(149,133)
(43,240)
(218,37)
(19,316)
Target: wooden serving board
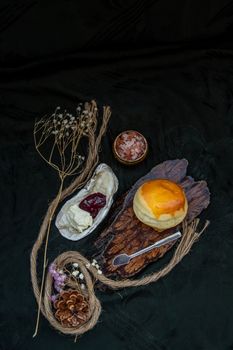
(126,234)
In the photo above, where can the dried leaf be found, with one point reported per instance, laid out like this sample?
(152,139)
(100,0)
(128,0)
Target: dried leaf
(126,234)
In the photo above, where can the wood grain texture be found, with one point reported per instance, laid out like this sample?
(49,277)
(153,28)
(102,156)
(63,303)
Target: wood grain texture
(126,234)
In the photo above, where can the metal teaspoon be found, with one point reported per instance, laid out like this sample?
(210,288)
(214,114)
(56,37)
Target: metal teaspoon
(123,259)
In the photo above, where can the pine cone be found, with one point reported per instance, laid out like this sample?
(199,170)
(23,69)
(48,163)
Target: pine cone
(71,308)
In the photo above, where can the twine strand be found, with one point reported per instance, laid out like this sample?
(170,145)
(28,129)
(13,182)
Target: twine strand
(43,292)
(189,236)
(82,178)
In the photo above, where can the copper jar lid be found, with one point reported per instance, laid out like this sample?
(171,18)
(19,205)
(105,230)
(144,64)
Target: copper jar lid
(130,147)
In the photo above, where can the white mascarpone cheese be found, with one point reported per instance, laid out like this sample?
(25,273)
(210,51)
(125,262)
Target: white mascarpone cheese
(75,223)
(77,218)
(104,183)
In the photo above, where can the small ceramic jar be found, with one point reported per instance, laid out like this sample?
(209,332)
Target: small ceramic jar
(130,147)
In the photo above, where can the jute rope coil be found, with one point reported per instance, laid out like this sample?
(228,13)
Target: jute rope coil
(94,142)
(43,290)
(189,236)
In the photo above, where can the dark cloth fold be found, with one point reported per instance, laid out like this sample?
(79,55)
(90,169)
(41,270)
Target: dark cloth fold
(166,69)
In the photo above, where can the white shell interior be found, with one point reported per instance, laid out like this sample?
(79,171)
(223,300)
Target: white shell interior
(105,181)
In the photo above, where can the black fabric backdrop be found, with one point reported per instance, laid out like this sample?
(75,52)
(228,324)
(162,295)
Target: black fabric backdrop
(166,69)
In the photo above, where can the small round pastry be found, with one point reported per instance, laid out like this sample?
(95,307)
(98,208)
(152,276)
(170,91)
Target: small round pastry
(161,204)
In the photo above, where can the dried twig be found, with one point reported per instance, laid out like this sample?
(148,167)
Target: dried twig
(57,140)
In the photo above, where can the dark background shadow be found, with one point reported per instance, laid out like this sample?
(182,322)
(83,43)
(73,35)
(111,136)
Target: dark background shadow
(166,69)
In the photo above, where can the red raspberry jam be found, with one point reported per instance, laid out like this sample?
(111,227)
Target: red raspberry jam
(93,203)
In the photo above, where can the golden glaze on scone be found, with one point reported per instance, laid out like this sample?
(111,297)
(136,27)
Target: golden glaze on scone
(160,203)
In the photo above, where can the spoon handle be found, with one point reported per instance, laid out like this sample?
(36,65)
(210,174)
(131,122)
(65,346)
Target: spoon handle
(157,244)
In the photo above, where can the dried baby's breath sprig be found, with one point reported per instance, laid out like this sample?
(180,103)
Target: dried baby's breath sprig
(64,131)
(57,140)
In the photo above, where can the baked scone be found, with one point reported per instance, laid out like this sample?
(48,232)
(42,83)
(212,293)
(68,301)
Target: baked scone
(161,204)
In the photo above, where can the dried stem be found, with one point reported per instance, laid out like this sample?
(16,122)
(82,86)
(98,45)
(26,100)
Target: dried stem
(61,133)
(64,168)
(57,200)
